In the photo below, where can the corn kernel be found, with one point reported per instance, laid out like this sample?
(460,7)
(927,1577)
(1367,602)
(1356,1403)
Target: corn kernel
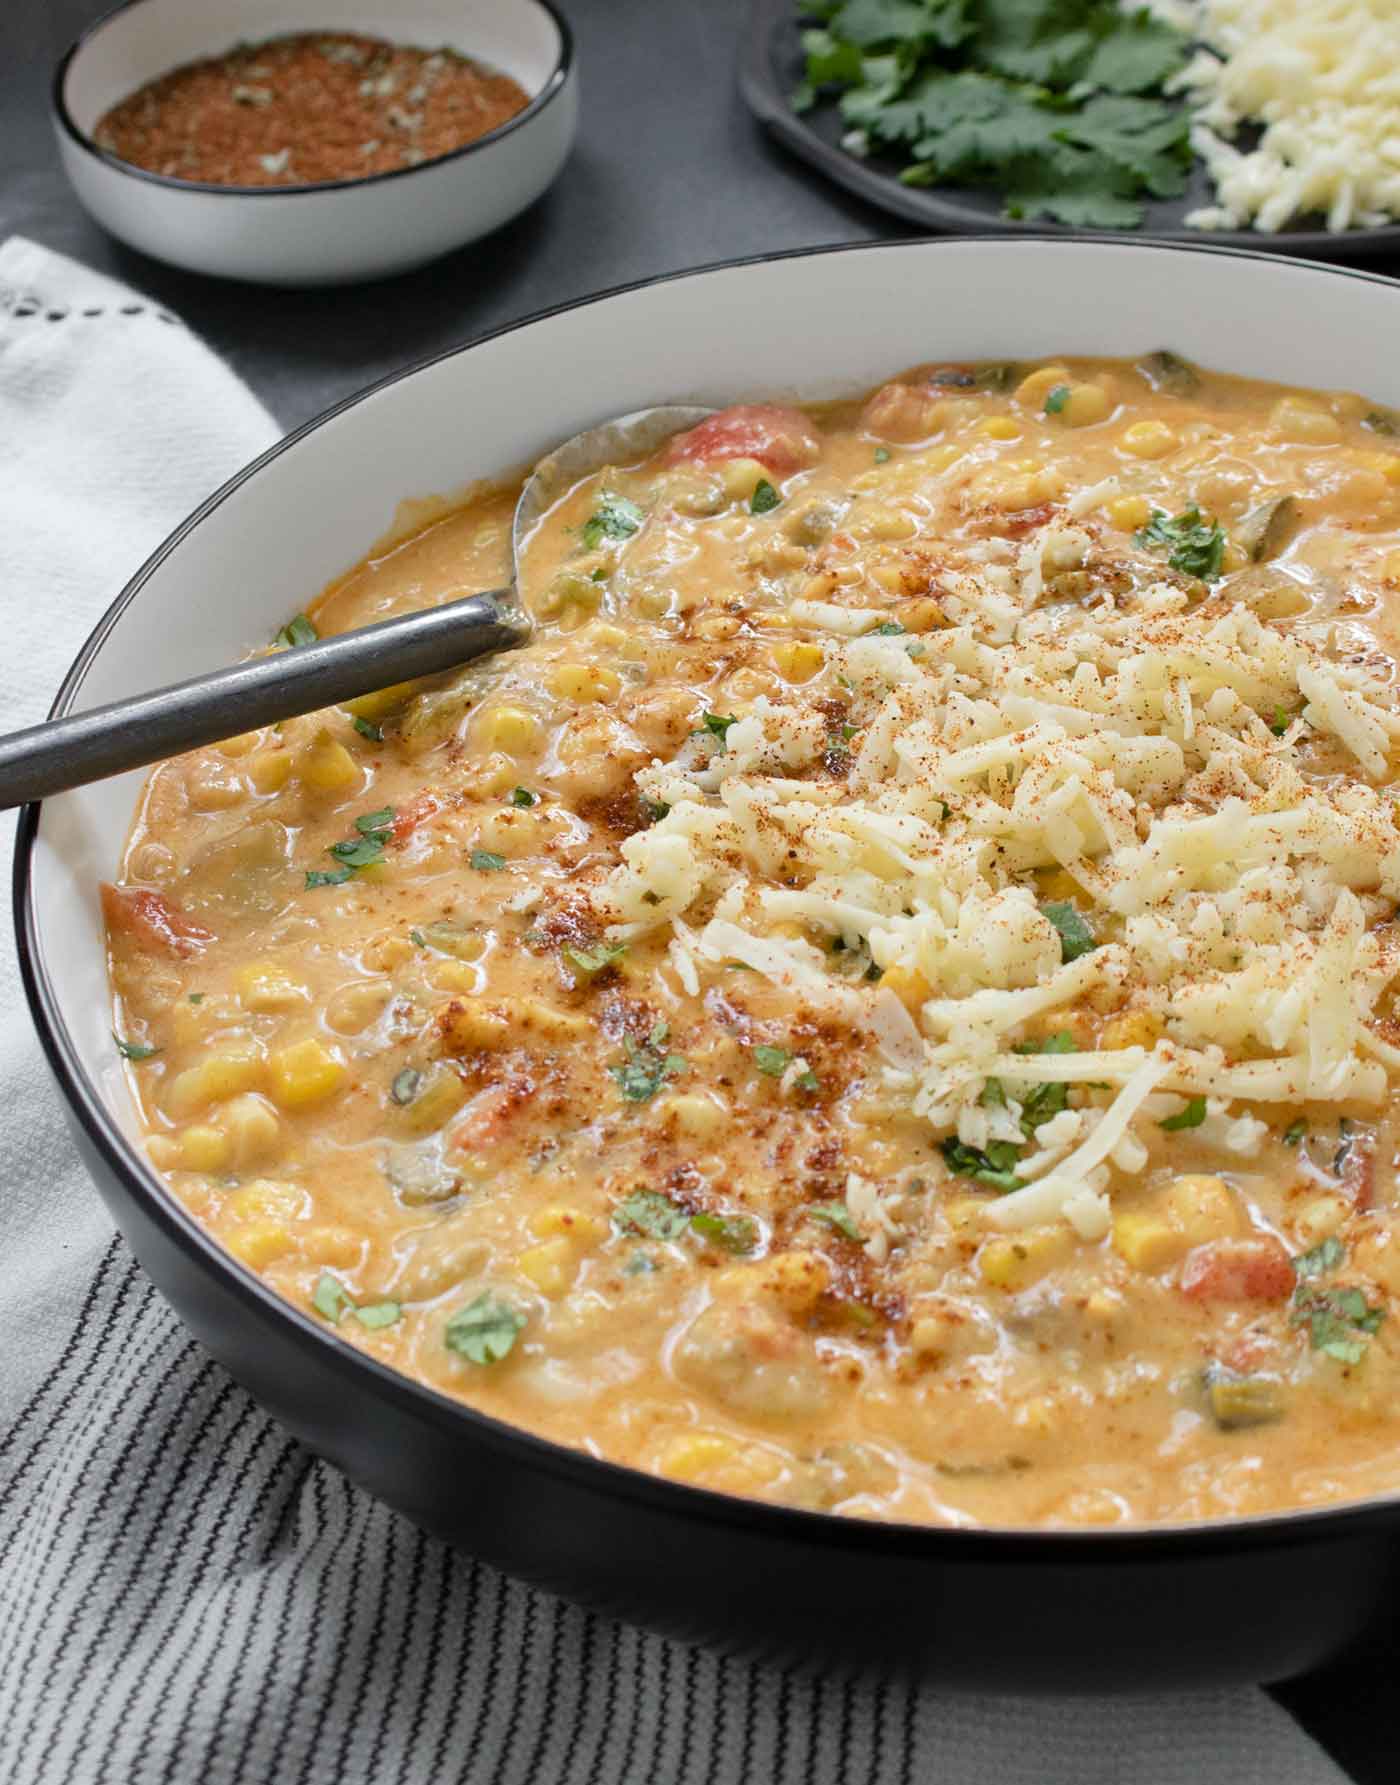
(799,659)
(696,1454)
(382,702)
(1056,883)
(457,977)
(354,1007)
(1086,405)
(693,1113)
(264,985)
(547,1022)
(508,728)
(1148,440)
(873,520)
(339,1247)
(234,1068)
(1014,1263)
(211,792)
(795,1280)
(1146,1241)
(267,1199)
(467,1025)
(1304,424)
(270,770)
(253,1131)
(551,1266)
(939,459)
(908,985)
(1034,389)
(326,766)
(1128,513)
(1134,1028)
(436,1103)
(999,427)
(1390,568)
(1205,1208)
(306,1072)
(741,477)
(163,1151)
(204,1148)
(1387,463)
(558,1219)
(260,1243)
(585,682)
(1319,1218)
(240,745)
(923,615)
(962,1212)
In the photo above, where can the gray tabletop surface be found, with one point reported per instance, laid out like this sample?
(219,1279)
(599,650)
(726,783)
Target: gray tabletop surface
(670,171)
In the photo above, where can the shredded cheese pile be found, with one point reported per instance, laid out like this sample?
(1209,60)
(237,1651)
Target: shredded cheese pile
(1128,740)
(1323,78)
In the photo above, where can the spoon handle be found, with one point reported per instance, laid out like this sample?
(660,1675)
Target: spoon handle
(128,734)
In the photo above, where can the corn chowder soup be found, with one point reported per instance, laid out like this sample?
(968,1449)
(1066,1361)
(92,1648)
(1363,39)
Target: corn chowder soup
(887,1003)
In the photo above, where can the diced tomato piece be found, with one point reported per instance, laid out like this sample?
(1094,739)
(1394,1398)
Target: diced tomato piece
(902,412)
(409,817)
(780,438)
(1257,1270)
(152,922)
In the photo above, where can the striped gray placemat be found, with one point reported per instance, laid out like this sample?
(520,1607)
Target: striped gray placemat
(188,1595)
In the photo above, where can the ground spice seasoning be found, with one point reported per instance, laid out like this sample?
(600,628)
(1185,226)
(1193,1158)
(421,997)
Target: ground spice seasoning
(304,109)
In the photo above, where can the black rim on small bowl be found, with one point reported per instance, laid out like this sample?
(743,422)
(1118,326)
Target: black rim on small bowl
(553,86)
(1378,1515)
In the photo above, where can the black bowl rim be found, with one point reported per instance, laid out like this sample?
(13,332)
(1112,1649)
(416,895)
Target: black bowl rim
(554,85)
(982,1544)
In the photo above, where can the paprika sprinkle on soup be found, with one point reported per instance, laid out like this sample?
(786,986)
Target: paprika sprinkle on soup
(306,109)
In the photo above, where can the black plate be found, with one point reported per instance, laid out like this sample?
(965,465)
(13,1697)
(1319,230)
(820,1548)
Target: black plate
(771,66)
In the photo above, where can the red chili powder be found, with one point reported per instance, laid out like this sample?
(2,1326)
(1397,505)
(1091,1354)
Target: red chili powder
(304,109)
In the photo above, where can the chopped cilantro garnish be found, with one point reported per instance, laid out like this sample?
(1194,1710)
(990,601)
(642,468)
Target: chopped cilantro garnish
(133,1050)
(361,851)
(521,796)
(298,631)
(654,810)
(1294,1133)
(196,997)
(418,939)
(370,822)
(487,861)
(1190,1117)
(646,1067)
(1324,1257)
(378,1314)
(330,1299)
(590,961)
(1076,938)
(718,724)
(882,455)
(650,1214)
(838,1218)
(996,1166)
(366,730)
(614,518)
(1057,399)
(1340,1322)
(406,1085)
(485,1330)
(732,1233)
(1194,544)
(327,876)
(888,629)
(1061,1042)
(764,499)
(774,1062)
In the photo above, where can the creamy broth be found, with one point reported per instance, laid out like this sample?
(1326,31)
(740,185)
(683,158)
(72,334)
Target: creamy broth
(623,1036)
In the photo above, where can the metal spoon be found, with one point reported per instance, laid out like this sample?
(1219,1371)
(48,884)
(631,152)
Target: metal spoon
(128,734)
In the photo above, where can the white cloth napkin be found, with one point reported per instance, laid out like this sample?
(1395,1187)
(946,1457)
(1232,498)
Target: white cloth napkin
(184,1594)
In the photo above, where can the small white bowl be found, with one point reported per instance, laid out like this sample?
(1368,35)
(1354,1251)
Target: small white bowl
(345,229)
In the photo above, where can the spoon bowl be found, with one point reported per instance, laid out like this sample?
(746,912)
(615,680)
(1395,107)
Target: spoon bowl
(129,734)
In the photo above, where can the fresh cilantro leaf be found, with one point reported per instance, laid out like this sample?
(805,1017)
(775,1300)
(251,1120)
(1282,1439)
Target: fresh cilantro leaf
(370,822)
(995,1166)
(1061,1042)
(888,629)
(330,1299)
(418,939)
(522,796)
(1079,190)
(732,1233)
(1194,544)
(196,997)
(1295,1132)
(1076,938)
(1057,399)
(133,1050)
(591,961)
(486,861)
(378,1314)
(651,1214)
(406,1085)
(830,63)
(1136,54)
(1323,1257)
(614,518)
(1190,1117)
(654,810)
(360,852)
(1144,137)
(485,1330)
(298,631)
(1044,43)
(366,730)
(1340,1322)
(1381,421)
(327,876)
(882,455)
(914,24)
(718,724)
(1280,722)
(993,1094)
(773,1061)
(838,1218)
(646,1068)
(764,499)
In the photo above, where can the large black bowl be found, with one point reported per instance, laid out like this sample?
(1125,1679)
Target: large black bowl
(1007,1610)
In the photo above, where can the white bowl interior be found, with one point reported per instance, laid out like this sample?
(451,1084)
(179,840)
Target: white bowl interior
(819,326)
(152,37)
